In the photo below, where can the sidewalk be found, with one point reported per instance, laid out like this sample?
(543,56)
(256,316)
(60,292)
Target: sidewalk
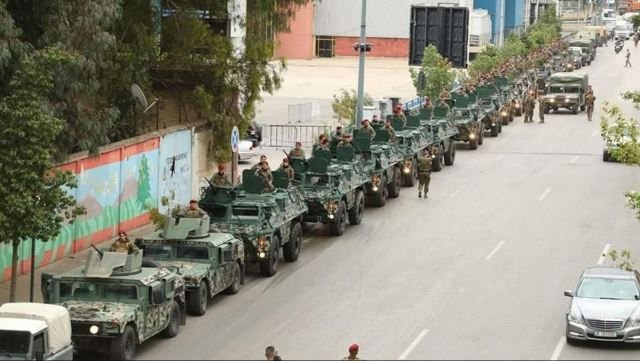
(64,265)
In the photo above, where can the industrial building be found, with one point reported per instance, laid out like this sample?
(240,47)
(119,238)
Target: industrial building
(328,28)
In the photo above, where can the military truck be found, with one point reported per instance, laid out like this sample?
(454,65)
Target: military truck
(209,262)
(490,105)
(470,127)
(115,303)
(265,221)
(35,331)
(579,57)
(587,48)
(333,188)
(566,90)
(592,36)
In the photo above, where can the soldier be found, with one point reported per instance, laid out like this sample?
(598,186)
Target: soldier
(443,104)
(353,353)
(221,178)
(337,134)
(123,244)
(541,106)
(267,178)
(424,173)
(627,56)
(428,106)
(392,132)
(471,88)
(284,167)
(255,167)
(635,40)
(321,137)
(397,113)
(297,152)
(346,142)
(529,106)
(193,211)
(270,353)
(375,119)
(366,128)
(461,92)
(590,99)
(325,144)
(445,94)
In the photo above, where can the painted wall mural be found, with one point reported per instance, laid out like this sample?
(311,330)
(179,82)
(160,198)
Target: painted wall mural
(116,188)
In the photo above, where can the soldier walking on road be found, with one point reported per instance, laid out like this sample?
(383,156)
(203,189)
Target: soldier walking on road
(424,173)
(590,100)
(627,55)
(541,109)
(529,107)
(353,353)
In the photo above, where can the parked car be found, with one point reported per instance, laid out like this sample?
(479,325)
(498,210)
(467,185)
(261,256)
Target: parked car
(605,306)
(245,150)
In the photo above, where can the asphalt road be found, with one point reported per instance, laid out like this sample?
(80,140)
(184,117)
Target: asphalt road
(477,271)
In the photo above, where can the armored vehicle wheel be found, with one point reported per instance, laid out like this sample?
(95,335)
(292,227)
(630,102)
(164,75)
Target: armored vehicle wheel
(173,327)
(574,109)
(269,267)
(583,108)
(197,300)
(234,287)
(339,223)
(450,156)
(505,121)
(291,250)
(438,162)
(473,144)
(511,117)
(480,135)
(546,109)
(605,156)
(518,112)
(124,346)
(409,180)
(379,199)
(355,213)
(494,130)
(499,127)
(395,184)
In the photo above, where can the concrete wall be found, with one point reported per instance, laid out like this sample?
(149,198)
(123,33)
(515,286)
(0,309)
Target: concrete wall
(118,186)
(298,43)
(382,47)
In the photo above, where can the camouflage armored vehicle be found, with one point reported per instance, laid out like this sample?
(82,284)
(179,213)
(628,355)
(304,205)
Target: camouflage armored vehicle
(470,128)
(507,96)
(265,221)
(115,303)
(489,102)
(443,130)
(411,141)
(566,90)
(333,188)
(209,262)
(383,159)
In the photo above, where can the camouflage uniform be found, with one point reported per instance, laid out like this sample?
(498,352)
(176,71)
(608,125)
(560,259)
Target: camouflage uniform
(446,106)
(267,179)
(424,174)
(337,137)
(344,144)
(392,133)
(124,246)
(296,153)
(257,166)
(324,146)
(590,99)
(529,106)
(193,213)
(462,93)
(289,172)
(223,179)
(541,105)
(401,115)
(445,95)
(368,129)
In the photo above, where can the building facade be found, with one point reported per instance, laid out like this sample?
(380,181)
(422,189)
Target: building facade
(496,9)
(514,16)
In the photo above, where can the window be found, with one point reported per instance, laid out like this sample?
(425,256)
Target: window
(12,342)
(121,292)
(192,252)
(608,288)
(317,180)
(248,213)
(79,290)
(215,211)
(158,251)
(38,343)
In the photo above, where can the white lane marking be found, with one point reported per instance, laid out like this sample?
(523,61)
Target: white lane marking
(413,345)
(594,133)
(458,191)
(604,254)
(495,250)
(544,194)
(558,350)
(574,159)
(499,158)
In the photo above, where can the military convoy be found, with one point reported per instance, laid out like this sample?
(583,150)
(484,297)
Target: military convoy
(115,303)
(566,90)
(208,262)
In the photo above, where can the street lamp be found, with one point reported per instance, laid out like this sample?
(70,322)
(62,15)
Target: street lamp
(362,47)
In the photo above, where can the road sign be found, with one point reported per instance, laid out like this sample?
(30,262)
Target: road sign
(235,139)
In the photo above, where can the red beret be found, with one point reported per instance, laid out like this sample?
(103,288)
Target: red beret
(325,141)
(299,143)
(339,127)
(354,347)
(193,201)
(221,166)
(322,136)
(286,160)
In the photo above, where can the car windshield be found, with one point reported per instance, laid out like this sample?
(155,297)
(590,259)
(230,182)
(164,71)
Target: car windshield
(215,211)
(576,52)
(485,102)
(192,252)
(622,27)
(608,288)
(92,290)
(14,342)
(166,251)
(317,180)
(564,89)
(245,213)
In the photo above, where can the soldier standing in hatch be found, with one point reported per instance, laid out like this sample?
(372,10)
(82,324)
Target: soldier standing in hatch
(590,100)
(337,134)
(541,106)
(287,169)
(366,128)
(392,132)
(325,144)
(123,244)
(193,211)
(424,173)
(443,104)
(267,177)
(255,167)
(353,353)
(297,152)
(221,178)
(462,93)
(445,94)
(398,113)
(346,142)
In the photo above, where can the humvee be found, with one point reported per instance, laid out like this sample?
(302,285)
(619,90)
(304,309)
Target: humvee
(209,262)
(566,90)
(265,221)
(115,303)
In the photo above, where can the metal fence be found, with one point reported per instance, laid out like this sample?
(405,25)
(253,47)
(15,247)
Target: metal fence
(305,112)
(286,136)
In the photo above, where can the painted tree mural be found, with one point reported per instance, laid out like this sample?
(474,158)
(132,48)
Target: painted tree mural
(144,182)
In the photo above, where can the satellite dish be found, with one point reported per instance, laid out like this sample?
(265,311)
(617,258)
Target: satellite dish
(138,94)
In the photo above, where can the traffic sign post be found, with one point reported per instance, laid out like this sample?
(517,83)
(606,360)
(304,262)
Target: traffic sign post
(235,145)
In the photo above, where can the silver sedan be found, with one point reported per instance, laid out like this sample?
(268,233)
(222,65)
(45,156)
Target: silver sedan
(605,306)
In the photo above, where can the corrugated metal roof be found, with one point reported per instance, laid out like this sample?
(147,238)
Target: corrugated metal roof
(385,18)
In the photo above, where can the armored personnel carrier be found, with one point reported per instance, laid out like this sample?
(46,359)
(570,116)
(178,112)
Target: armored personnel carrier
(508,97)
(443,129)
(470,128)
(265,221)
(115,303)
(333,188)
(209,262)
(489,102)
(411,141)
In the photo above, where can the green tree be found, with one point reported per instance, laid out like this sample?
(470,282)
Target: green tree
(144,182)
(344,106)
(436,69)
(635,22)
(34,202)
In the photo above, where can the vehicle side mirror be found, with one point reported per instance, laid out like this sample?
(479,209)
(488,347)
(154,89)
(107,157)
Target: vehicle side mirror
(158,297)
(568,293)
(39,355)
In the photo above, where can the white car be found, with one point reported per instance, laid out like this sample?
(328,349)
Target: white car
(246,150)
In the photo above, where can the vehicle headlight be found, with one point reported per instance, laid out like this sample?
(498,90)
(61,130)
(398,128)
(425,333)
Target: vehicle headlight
(504,114)
(573,318)
(551,100)
(567,100)
(94,329)
(375,188)
(472,136)
(262,255)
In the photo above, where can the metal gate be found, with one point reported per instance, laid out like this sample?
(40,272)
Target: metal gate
(286,136)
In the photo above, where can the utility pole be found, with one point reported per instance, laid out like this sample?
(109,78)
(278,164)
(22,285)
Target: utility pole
(362,47)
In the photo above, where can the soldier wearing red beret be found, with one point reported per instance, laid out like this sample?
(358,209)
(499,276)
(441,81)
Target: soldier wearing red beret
(285,167)
(353,353)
